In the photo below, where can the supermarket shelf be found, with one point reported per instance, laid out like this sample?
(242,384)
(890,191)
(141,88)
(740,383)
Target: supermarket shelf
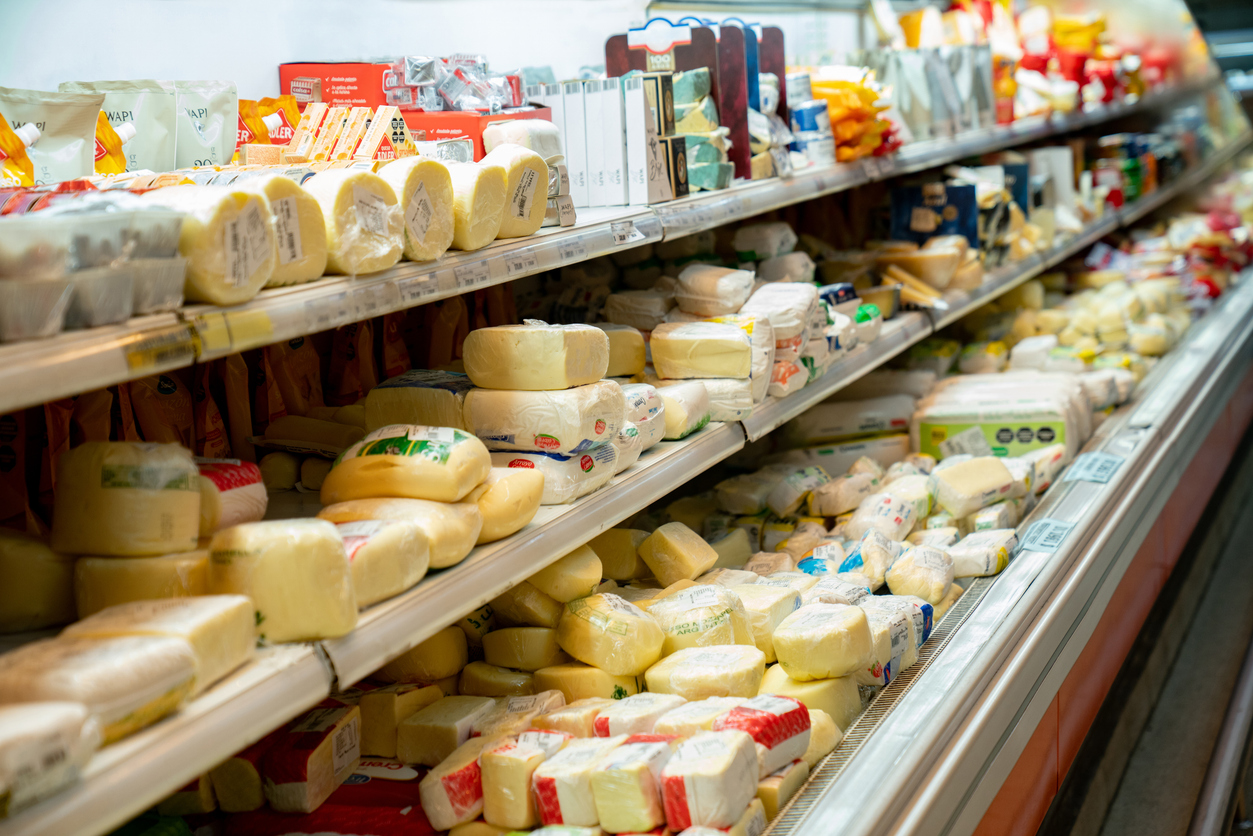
(127,778)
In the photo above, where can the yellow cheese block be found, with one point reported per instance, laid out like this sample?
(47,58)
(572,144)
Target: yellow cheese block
(523,648)
(409,460)
(824,736)
(526,189)
(776,789)
(767,606)
(700,672)
(626,788)
(482,679)
(126,498)
(480,193)
(701,615)
(418,396)
(387,557)
(452,793)
(692,511)
(526,606)
(839,698)
(299,228)
(675,552)
(753,821)
(577,682)
(700,349)
(695,717)
(451,527)
(384,709)
(513,715)
(478,624)
(824,641)
(431,735)
(575,575)
(101,582)
(578,718)
(508,498)
(507,797)
(626,350)
(618,550)
(364,230)
(536,356)
(442,655)
(295,572)
(194,799)
(734,550)
(36,584)
(609,633)
(424,190)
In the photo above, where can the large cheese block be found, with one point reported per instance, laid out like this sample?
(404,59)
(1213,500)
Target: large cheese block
(695,717)
(227,238)
(778,725)
(508,498)
(451,527)
(218,627)
(423,189)
(609,633)
(575,575)
(523,648)
(626,786)
(300,231)
(513,715)
(964,488)
(701,616)
(823,641)
(536,356)
(686,409)
(700,349)
(507,770)
(700,672)
(452,792)
(577,718)
(788,495)
(626,350)
(387,557)
(675,552)
(126,682)
(484,680)
(313,756)
(924,571)
(442,655)
(100,582)
(983,553)
(710,780)
(580,682)
(767,607)
(408,460)
(364,229)
(36,584)
(384,709)
(231,492)
(295,572)
(434,732)
(646,410)
(480,194)
(566,478)
(45,745)
(839,698)
(418,396)
(126,498)
(761,335)
(566,421)
(563,783)
(526,189)
(636,714)
(707,290)
(824,736)
(776,789)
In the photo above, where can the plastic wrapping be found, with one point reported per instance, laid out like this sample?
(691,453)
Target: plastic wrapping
(758,242)
(452,792)
(710,780)
(706,290)
(700,350)
(566,478)
(789,495)
(231,492)
(924,571)
(508,499)
(563,783)
(100,582)
(409,460)
(982,553)
(686,409)
(842,494)
(695,717)
(626,350)
(43,749)
(451,527)
(636,714)
(441,656)
(609,633)
(788,377)
(423,189)
(823,641)
(890,638)
(968,486)
(788,306)
(577,718)
(507,769)
(539,135)
(626,787)
(832,421)
(746,493)
(770,563)
(482,679)
(536,355)
(778,725)
(565,422)
(642,309)
(36,584)
(629,444)
(831,589)
(721,670)
(102,296)
(299,227)
(526,188)
(387,557)
(730,399)
(701,616)
(645,409)
(364,227)
(767,606)
(526,649)
(873,555)
(33,309)
(892,517)
(426,397)
(480,198)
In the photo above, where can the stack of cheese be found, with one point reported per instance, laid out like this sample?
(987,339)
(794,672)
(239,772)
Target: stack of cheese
(696,119)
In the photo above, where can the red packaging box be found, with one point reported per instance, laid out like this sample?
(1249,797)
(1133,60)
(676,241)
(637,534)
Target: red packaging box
(343,84)
(450,124)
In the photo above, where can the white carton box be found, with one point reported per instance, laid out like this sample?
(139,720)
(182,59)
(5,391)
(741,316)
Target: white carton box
(576,141)
(614,136)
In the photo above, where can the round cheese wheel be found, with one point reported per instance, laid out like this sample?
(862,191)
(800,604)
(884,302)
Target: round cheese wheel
(609,633)
(424,189)
(508,499)
(364,230)
(479,196)
(101,582)
(36,584)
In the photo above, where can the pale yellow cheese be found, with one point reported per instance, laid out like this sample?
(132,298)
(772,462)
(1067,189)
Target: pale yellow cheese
(626,788)
(734,549)
(431,735)
(776,789)
(824,641)
(701,616)
(618,550)
(526,189)
(611,634)
(536,356)
(387,557)
(700,672)
(409,460)
(478,624)
(626,350)
(194,799)
(480,193)
(36,584)
(577,718)
(482,679)
(579,682)
(418,396)
(924,571)
(838,698)
(527,606)
(451,527)
(700,349)
(299,228)
(767,606)
(523,648)
(675,552)
(512,715)
(692,511)
(636,714)
(364,230)
(965,487)
(824,736)
(101,582)
(423,188)
(575,575)
(353,415)
(752,822)
(452,792)
(508,498)
(695,717)
(295,572)
(507,797)
(280,471)
(442,655)
(384,709)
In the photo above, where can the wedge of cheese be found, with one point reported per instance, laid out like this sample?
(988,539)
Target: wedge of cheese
(575,575)
(536,356)
(526,189)
(423,188)
(507,770)
(719,671)
(451,527)
(480,194)
(300,230)
(508,498)
(364,230)
(408,460)
(452,792)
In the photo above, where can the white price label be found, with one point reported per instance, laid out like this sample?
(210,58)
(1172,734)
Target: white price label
(624,232)
(1093,467)
(572,250)
(520,264)
(971,441)
(246,244)
(1045,535)
(371,210)
(470,275)
(330,311)
(418,290)
(418,215)
(524,194)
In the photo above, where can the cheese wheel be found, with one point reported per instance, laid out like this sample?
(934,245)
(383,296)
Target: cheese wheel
(577,681)
(408,460)
(451,527)
(231,492)
(313,472)
(439,657)
(424,189)
(126,498)
(36,584)
(526,189)
(227,238)
(480,193)
(523,648)
(364,230)
(609,633)
(300,230)
(508,498)
(575,575)
(696,673)
(387,557)
(618,550)
(536,356)
(101,582)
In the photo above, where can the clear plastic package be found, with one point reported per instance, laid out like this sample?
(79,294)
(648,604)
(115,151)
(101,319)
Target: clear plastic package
(102,296)
(31,309)
(43,748)
(157,283)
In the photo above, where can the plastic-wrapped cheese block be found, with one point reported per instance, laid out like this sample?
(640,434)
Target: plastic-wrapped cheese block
(998,515)
(127,682)
(383,709)
(890,641)
(507,770)
(832,589)
(770,563)
(480,195)
(507,500)
(883,513)
(536,356)
(767,607)
(364,228)
(418,396)
(628,446)
(565,422)
(728,577)
(982,553)
(431,735)
(790,267)
(578,718)
(626,788)
(526,189)
(778,725)
(539,135)
(387,557)
(311,757)
(125,498)
(299,228)
(526,605)
(423,190)
(776,789)
(452,792)
(839,697)
(513,715)
(607,632)
(923,571)
(36,584)
(918,615)
(484,680)
(442,655)
(566,478)
(761,335)
(408,460)
(636,714)
(575,575)
(686,409)
(730,399)
(451,527)
(787,377)
(194,798)
(824,736)
(692,718)
(915,491)
(706,290)
(674,552)
(646,410)
(695,673)
(710,780)
(701,616)
(799,581)
(942,537)
(760,241)
(642,309)
(295,572)
(626,350)
(100,582)
(231,492)
(682,350)
(563,783)
(872,557)
(788,306)
(823,641)
(618,550)
(843,419)
(788,495)
(45,745)
(227,238)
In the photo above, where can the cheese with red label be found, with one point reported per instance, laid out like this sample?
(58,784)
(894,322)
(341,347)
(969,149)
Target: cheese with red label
(452,792)
(710,780)
(635,714)
(566,478)
(565,421)
(312,757)
(231,492)
(536,356)
(387,557)
(563,783)
(779,727)
(695,717)
(578,718)
(626,786)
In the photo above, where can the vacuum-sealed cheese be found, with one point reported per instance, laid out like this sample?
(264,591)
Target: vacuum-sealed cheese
(982,553)
(700,349)
(523,604)
(423,188)
(767,607)
(536,355)
(45,746)
(566,478)
(418,396)
(761,241)
(626,350)
(710,780)
(523,648)
(508,498)
(686,409)
(563,783)
(480,194)
(779,727)
(628,445)
(618,550)
(695,673)
(824,736)
(701,616)
(636,714)
(834,420)
(645,409)
(451,527)
(841,495)
(776,789)
(408,460)
(642,309)
(890,641)
(387,557)
(611,634)
(436,731)
(578,717)
(789,307)
(761,335)
(36,584)
(526,189)
(872,556)
(823,641)
(300,230)
(924,571)
(231,492)
(101,582)
(730,399)
(364,230)
(706,290)
(695,717)
(968,486)
(565,421)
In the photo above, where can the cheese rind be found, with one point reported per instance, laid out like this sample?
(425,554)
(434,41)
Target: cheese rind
(526,189)
(364,229)
(838,698)
(452,792)
(439,657)
(480,193)
(387,557)
(700,349)
(611,634)
(433,733)
(36,584)
(823,641)
(719,671)
(566,421)
(536,356)
(508,498)
(423,190)
(710,780)
(384,709)
(408,460)
(579,682)
(675,552)
(451,527)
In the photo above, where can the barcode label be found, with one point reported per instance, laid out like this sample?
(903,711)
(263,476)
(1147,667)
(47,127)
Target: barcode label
(469,275)
(1045,535)
(1093,467)
(520,264)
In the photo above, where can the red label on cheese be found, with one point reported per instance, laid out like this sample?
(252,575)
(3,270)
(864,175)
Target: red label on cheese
(228,476)
(522,463)
(464,787)
(587,464)
(674,794)
(600,427)
(547,442)
(547,804)
(770,727)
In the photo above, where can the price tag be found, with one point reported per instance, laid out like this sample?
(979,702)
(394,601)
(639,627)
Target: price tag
(249,329)
(212,335)
(624,232)
(152,352)
(329,311)
(572,250)
(1093,467)
(521,264)
(473,274)
(1045,535)
(418,290)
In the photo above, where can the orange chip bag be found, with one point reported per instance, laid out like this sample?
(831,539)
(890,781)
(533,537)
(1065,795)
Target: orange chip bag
(288,117)
(251,130)
(16,168)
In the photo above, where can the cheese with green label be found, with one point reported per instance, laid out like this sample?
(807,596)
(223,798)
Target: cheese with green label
(409,460)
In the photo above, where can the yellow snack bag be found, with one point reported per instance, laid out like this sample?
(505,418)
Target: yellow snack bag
(110,158)
(251,130)
(15,166)
(282,128)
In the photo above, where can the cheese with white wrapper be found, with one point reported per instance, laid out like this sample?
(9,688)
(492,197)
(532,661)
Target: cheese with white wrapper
(686,409)
(706,290)
(539,135)
(890,640)
(788,306)
(563,783)
(965,487)
(536,355)
(45,746)
(982,553)
(566,478)
(699,350)
(699,672)
(566,421)
(730,399)
(761,337)
(627,789)
(779,727)
(700,617)
(452,792)
(408,460)
(924,571)
(628,444)
(646,410)
(872,557)
(423,189)
(452,528)
(364,228)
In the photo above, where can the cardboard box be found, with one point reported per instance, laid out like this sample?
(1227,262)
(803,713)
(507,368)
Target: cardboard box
(674,149)
(449,124)
(342,84)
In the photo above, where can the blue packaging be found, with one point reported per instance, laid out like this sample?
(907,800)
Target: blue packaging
(922,212)
(811,116)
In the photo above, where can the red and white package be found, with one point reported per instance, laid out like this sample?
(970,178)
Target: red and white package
(636,714)
(778,725)
(312,757)
(231,492)
(563,783)
(710,780)
(452,793)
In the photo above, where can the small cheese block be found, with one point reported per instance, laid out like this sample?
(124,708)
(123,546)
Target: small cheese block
(423,189)
(924,571)
(45,745)
(523,648)
(125,498)
(728,577)
(618,550)
(299,228)
(507,772)
(626,350)
(536,356)
(218,627)
(526,189)
(194,799)
(37,585)
(313,756)
(627,789)
(567,421)
(832,589)
(231,493)
(364,229)
(708,290)
(576,575)
(776,789)
(767,607)
(766,564)
(701,616)
(408,460)
(700,349)
(636,714)
(442,655)
(872,556)
(296,573)
(237,782)
(824,736)
(695,717)
(982,553)
(387,557)
(482,679)
(578,681)
(842,494)
(686,409)
(692,511)
(418,396)
(480,194)
(451,527)
(778,725)
(675,552)
(513,715)
(609,633)
(431,735)
(384,709)
(646,410)
(734,550)
(839,698)
(452,792)
(563,783)
(508,498)
(578,718)
(965,487)
(700,672)
(824,641)
(566,478)
(710,780)
(525,605)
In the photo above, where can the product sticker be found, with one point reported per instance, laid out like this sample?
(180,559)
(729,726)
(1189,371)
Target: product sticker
(971,441)
(701,596)
(1093,467)
(287,227)
(922,219)
(418,215)
(445,435)
(357,534)
(579,754)
(1045,535)
(371,210)
(929,558)
(433,449)
(148,478)
(524,194)
(777,706)
(346,745)
(246,245)
(519,705)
